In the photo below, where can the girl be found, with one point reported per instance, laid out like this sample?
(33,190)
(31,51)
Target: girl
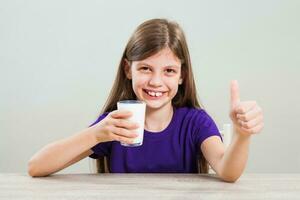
(156,68)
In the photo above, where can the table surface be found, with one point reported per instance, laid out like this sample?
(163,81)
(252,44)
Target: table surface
(148,186)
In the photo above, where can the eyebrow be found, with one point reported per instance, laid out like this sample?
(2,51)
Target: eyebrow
(174,66)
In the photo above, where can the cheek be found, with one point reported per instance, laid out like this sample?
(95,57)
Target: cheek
(175,87)
(139,81)
(172,85)
(173,82)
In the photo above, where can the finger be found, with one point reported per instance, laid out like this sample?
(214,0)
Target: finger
(253,130)
(125,124)
(123,132)
(245,106)
(252,123)
(251,114)
(234,93)
(120,114)
(123,139)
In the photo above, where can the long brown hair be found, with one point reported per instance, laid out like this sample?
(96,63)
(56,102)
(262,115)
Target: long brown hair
(148,39)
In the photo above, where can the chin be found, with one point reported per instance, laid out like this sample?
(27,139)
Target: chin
(155,105)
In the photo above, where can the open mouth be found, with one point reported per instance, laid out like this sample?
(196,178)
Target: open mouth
(153,94)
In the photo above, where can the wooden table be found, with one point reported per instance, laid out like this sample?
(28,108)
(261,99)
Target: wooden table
(149,186)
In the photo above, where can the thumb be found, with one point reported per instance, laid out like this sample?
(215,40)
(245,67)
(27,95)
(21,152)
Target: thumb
(234,93)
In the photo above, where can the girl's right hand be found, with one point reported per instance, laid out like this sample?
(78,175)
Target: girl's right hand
(116,127)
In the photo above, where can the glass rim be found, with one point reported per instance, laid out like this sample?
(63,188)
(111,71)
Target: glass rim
(131,101)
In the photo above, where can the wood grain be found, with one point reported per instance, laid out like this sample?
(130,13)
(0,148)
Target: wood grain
(149,186)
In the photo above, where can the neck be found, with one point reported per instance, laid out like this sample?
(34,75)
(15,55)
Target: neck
(158,119)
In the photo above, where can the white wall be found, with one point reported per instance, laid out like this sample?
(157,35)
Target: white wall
(58,60)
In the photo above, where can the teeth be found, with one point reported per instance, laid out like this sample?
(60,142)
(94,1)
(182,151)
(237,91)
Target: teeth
(151,93)
(157,94)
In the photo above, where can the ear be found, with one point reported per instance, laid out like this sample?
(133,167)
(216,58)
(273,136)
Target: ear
(127,69)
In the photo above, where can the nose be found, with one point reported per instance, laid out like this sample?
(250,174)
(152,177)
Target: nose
(155,80)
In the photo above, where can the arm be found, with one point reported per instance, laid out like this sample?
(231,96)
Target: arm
(247,120)
(63,153)
(229,164)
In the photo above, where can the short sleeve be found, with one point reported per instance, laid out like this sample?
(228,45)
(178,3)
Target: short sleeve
(205,127)
(101,149)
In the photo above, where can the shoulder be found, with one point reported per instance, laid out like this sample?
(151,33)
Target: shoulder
(198,122)
(194,116)
(189,112)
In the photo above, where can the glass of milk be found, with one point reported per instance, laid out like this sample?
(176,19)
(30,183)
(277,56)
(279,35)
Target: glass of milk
(138,109)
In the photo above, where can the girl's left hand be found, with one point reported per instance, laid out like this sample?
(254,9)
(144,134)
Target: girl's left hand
(247,116)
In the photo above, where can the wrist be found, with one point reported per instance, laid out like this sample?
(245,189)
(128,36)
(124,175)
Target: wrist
(241,135)
(91,135)
(95,134)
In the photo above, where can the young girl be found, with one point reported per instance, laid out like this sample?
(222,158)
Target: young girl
(156,68)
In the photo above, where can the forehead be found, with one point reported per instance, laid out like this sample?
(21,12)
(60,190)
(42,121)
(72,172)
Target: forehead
(163,58)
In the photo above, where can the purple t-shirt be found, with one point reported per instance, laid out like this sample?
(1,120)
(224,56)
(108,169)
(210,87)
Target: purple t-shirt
(175,149)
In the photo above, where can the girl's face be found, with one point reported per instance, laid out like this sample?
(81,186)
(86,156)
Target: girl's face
(155,79)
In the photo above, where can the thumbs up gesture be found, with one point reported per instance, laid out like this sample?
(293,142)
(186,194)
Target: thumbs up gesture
(247,116)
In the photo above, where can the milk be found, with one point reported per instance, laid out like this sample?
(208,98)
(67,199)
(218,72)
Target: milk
(138,109)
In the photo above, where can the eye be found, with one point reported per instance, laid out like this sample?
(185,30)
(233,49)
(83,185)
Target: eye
(145,69)
(169,71)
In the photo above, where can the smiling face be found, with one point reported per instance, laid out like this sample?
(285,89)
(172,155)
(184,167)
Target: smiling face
(155,79)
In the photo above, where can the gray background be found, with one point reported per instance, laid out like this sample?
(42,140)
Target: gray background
(58,60)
